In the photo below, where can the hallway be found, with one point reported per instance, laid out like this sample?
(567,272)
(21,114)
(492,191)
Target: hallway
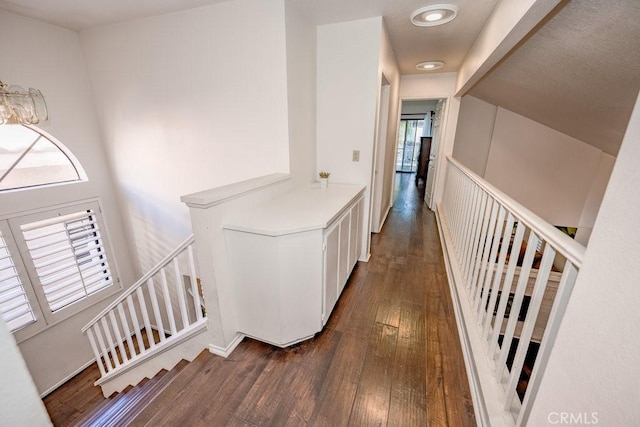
(389,355)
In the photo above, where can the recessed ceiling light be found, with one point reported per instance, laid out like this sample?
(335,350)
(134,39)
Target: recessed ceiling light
(430,65)
(436,14)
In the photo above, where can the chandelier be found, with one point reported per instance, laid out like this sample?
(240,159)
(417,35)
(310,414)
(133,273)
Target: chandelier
(21,106)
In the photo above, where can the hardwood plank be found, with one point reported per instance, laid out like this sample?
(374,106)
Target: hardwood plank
(408,405)
(188,405)
(339,319)
(272,387)
(361,320)
(388,309)
(371,403)
(223,399)
(341,383)
(305,390)
(436,404)
(179,383)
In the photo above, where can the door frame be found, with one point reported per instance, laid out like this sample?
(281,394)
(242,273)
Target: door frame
(441,137)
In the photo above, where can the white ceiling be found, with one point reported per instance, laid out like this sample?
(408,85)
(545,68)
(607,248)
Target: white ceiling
(448,43)
(579,73)
(81,14)
(411,44)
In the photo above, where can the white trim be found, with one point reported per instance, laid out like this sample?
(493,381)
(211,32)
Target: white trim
(365,258)
(160,348)
(226,351)
(384,217)
(215,196)
(67,378)
(479,374)
(73,160)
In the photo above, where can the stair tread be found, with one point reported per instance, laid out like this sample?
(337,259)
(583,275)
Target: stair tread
(133,399)
(181,378)
(153,392)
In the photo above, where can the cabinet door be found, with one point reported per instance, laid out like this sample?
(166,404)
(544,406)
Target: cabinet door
(360,205)
(344,265)
(330,272)
(354,236)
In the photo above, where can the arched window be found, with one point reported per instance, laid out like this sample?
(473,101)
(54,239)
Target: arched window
(29,157)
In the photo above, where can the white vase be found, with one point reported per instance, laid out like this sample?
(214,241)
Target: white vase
(324,182)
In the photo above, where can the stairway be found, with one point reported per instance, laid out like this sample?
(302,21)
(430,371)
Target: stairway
(121,408)
(166,299)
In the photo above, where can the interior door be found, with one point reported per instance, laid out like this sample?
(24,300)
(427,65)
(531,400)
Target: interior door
(433,156)
(378,178)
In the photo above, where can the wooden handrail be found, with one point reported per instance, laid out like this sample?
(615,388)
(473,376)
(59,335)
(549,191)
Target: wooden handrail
(562,243)
(166,260)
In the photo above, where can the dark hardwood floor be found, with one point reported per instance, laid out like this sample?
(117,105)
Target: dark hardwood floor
(390,354)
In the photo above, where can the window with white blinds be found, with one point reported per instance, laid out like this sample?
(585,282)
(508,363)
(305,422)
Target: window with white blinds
(69,257)
(15,308)
(54,263)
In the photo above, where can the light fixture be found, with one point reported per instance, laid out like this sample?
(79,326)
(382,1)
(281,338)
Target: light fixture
(21,106)
(430,65)
(435,14)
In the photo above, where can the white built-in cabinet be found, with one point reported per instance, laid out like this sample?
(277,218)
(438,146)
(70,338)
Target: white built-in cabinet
(290,259)
(341,251)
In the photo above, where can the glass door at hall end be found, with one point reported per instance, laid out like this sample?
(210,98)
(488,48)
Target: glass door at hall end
(409,135)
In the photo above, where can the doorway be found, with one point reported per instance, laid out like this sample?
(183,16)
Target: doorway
(409,133)
(418,142)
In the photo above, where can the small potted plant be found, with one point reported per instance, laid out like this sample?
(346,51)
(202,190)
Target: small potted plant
(324,179)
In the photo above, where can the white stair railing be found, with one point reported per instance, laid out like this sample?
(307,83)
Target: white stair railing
(164,307)
(511,275)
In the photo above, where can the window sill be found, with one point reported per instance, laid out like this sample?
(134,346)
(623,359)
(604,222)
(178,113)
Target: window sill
(40,326)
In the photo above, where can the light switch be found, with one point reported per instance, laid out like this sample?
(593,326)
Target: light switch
(356,155)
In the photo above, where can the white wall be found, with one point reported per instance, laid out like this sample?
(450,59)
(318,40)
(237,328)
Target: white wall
(436,86)
(348,84)
(49,58)
(474,132)
(595,363)
(189,101)
(594,198)
(20,404)
(301,80)
(547,171)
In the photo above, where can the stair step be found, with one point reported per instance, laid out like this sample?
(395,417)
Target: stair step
(119,409)
(154,392)
(181,380)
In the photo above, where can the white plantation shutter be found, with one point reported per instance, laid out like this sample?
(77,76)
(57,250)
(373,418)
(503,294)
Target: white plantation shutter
(69,257)
(15,308)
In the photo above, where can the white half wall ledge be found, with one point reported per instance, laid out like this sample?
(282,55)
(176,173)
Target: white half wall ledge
(215,196)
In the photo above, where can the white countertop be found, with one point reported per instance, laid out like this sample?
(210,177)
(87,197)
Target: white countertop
(302,209)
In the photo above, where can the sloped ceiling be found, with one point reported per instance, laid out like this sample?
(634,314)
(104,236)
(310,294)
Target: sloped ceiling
(579,73)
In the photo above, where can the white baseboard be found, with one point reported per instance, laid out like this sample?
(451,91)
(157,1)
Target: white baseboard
(482,384)
(67,378)
(366,258)
(226,351)
(384,218)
